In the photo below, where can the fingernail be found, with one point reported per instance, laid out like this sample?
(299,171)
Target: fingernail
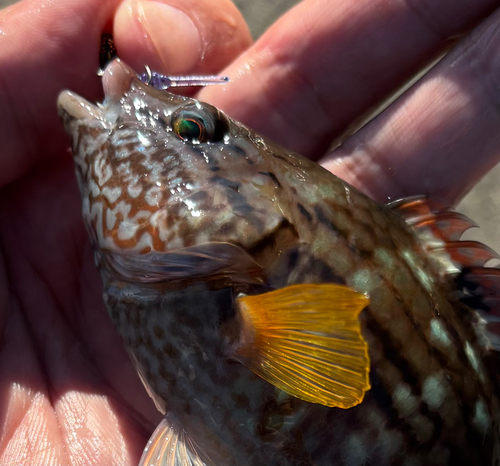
(173,34)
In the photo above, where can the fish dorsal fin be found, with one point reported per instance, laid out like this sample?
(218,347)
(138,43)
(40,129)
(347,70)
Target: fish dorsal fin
(432,220)
(440,230)
(448,226)
(468,253)
(414,207)
(306,340)
(481,287)
(169,446)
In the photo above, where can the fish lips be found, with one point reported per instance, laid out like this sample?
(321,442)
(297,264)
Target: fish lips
(75,110)
(72,107)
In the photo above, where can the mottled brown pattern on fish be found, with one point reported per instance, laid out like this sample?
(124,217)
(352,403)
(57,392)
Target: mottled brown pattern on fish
(432,400)
(417,357)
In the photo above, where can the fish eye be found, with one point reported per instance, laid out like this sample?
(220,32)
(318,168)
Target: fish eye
(190,129)
(199,122)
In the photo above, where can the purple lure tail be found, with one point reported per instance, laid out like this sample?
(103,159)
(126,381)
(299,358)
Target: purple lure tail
(162,82)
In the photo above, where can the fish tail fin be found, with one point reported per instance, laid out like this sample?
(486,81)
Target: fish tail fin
(440,229)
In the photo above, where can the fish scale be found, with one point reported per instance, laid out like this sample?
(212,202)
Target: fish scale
(172,370)
(186,231)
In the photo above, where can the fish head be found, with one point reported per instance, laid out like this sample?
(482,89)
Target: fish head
(158,171)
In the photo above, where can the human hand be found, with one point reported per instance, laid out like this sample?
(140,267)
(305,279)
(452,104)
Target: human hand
(69,393)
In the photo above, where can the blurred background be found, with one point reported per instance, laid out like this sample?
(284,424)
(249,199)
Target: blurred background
(482,204)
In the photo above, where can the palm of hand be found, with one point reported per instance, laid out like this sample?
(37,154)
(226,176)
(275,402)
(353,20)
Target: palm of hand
(68,388)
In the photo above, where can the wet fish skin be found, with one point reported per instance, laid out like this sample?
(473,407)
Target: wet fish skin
(148,197)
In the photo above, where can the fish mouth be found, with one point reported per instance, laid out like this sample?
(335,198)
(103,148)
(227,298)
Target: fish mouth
(116,81)
(73,107)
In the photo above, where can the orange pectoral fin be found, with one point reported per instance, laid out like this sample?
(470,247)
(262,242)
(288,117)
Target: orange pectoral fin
(307,340)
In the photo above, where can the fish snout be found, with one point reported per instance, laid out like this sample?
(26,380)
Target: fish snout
(72,107)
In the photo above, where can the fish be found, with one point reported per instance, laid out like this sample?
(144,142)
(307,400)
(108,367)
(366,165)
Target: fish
(275,314)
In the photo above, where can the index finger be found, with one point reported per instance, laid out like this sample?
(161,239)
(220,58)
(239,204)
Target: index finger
(326,64)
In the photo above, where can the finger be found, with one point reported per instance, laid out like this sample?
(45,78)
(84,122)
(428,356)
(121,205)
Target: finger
(54,410)
(44,50)
(442,136)
(181,36)
(326,64)
(30,430)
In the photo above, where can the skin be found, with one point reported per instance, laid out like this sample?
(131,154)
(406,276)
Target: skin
(69,394)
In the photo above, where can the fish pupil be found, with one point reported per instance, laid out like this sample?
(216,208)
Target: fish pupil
(190,129)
